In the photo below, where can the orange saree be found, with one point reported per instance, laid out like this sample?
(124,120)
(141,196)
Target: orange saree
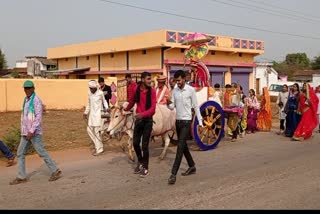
(308,106)
(264,121)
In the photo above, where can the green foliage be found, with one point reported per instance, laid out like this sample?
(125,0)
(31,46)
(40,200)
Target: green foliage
(15,74)
(284,69)
(3,61)
(299,60)
(316,63)
(12,140)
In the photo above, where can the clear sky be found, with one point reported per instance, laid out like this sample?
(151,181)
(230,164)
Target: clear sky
(29,27)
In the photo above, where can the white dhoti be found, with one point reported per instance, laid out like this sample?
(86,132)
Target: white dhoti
(94,133)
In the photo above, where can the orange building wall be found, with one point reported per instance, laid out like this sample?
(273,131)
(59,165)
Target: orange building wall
(92,62)
(52,92)
(173,54)
(227,57)
(118,62)
(150,60)
(63,64)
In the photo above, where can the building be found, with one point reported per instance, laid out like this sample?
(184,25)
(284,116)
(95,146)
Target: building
(34,66)
(265,75)
(305,75)
(159,52)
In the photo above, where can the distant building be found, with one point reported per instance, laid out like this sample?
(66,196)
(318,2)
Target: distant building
(304,75)
(34,66)
(265,75)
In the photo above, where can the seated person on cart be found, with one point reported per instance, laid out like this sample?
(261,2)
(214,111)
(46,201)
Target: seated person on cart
(200,76)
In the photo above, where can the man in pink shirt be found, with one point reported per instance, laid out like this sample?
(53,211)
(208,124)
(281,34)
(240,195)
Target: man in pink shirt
(145,98)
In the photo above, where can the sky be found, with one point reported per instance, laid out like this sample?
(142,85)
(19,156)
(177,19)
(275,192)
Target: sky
(29,27)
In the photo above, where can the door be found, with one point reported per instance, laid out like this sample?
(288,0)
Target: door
(217,77)
(243,80)
(258,86)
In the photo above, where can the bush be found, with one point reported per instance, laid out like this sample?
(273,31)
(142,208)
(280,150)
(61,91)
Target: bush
(12,140)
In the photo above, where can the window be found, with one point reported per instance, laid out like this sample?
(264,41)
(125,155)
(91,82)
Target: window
(112,55)
(88,57)
(182,50)
(240,54)
(144,52)
(213,53)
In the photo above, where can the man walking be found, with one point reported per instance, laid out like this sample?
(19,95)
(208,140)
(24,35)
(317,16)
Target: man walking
(96,104)
(183,99)
(31,132)
(7,153)
(145,98)
(106,89)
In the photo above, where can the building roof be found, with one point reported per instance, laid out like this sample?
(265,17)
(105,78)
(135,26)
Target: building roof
(306,72)
(47,61)
(154,39)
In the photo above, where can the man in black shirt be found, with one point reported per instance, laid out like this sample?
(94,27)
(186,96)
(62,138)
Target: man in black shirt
(105,89)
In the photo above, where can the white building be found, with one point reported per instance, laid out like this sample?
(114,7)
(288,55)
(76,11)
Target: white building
(36,65)
(265,75)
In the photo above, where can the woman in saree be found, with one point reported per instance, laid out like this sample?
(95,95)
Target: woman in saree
(292,118)
(264,121)
(253,108)
(308,107)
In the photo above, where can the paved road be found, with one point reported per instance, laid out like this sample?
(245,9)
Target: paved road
(261,171)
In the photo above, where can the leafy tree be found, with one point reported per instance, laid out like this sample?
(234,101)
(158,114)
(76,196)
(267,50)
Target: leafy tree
(3,61)
(299,60)
(316,63)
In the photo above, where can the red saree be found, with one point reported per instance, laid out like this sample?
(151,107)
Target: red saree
(308,106)
(264,121)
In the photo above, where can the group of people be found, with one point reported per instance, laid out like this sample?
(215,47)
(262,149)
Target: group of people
(299,111)
(299,116)
(178,95)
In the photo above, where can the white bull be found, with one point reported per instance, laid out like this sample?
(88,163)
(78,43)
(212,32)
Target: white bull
(164,123)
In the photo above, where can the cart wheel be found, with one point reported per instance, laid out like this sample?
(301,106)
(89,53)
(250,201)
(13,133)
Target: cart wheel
(209,136)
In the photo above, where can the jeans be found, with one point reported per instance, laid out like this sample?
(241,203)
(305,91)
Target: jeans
(142,128)
(183,129)
(282,124)
(4,149)
(38,146)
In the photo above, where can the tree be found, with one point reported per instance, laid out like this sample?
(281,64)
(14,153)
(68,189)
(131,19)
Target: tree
(316,63)
(299,60)
(3,61)
(284,69)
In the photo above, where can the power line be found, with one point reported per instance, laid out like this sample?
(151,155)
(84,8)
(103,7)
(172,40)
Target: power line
(210,21)
(264,10)
(276,7)
(286,9)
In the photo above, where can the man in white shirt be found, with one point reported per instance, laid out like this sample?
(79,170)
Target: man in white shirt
(96,104)
(183,99)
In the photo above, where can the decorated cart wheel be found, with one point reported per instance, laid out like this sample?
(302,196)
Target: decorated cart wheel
(209,136)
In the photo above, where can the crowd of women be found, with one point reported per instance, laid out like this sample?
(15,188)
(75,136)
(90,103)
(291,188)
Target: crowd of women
(299,110)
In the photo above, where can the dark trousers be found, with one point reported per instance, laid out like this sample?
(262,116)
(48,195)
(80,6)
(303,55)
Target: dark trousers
(4,149)
(282,124)
(142,128)
(183,129)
